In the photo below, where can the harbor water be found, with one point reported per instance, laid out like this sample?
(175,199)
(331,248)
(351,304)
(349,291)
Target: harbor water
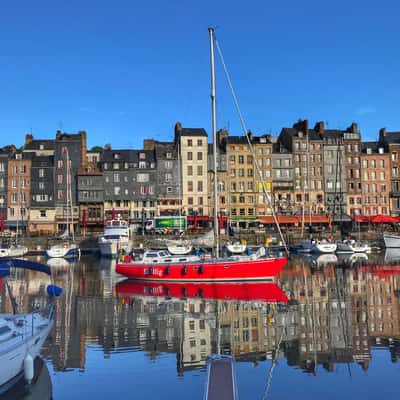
(329,329)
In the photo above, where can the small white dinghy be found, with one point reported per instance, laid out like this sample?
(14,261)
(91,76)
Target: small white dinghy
(324,246)
(236,247)
(180,248)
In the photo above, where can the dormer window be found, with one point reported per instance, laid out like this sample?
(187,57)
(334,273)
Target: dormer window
(369,150)
(380,150)
(18,156)
(168,155)
(41,147)
(117,156)
(142,156)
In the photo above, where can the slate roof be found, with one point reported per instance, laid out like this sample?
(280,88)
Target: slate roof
(192,132)
(374,146)
(162,148)
(392,137)
(293,132)
(36,145)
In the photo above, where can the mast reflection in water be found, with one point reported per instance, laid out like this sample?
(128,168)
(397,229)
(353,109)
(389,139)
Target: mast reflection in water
(118,338)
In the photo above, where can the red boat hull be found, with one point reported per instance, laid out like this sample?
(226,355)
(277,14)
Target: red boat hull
(248,291)
(208,271)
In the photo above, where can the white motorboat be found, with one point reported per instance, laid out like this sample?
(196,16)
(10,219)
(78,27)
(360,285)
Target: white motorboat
(344,246)
(323,246)
(116,237)
(180,248)
(65,249)
(391,240)
(14,250)
(236,247)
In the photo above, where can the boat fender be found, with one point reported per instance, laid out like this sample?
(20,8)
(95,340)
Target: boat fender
(149,271)
(167,293)
(53,290)
(184,270)
(167,271)
(201,269)
(201,293)
(29,369)
(184,292)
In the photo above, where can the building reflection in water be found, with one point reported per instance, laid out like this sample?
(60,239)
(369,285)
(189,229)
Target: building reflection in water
(332,315)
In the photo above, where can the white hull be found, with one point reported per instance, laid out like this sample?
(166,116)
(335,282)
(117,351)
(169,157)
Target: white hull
(14,350)
(63,251)
(111,248)
(180,249)
(236,248)
(324,247)
(14,251)
(391,240)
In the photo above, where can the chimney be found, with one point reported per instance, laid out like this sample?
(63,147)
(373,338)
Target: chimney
(250,134)
(319,127)
(178,127)
(354,127)
(107,147)
(382,132)
(84,146)
(222,134)
(149,144)
(28,138)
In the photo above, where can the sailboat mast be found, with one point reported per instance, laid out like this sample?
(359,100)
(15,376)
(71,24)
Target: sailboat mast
(214,136)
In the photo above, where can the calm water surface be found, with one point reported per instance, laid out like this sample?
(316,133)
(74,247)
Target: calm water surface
(335,335)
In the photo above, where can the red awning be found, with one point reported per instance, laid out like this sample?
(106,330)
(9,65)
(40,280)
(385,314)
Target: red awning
(282,219)
(384,218)
(361,218)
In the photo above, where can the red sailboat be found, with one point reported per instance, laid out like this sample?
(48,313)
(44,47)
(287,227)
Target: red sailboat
(161,266)
(255,291)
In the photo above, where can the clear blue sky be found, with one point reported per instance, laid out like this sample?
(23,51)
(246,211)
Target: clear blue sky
(128,70)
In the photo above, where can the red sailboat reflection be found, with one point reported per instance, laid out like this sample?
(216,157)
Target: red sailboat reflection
(255,291)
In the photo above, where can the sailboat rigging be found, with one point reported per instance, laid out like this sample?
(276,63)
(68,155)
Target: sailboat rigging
(162,266)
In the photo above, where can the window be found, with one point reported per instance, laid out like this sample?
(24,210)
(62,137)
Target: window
(142,177)
(190,201)
(190,186)
(169,189)
(60,194)
(168,177)
(241,171)
(59,164)
(200,186)
(116,177)
(168,154)
(190,170)
(42,213)
(142,164)
(232,158)
(143,189)
(190,155)
(2,169)
(14,197)
(23,183)
(151,189)
(199,142)
(14,183)
(168,165)
(250,172)
(105,165)
(142,156)
(190,142)
(41,172)
(117,190)
(199,155)
(241,159)
(200,170)
(115,165)
(382,163)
